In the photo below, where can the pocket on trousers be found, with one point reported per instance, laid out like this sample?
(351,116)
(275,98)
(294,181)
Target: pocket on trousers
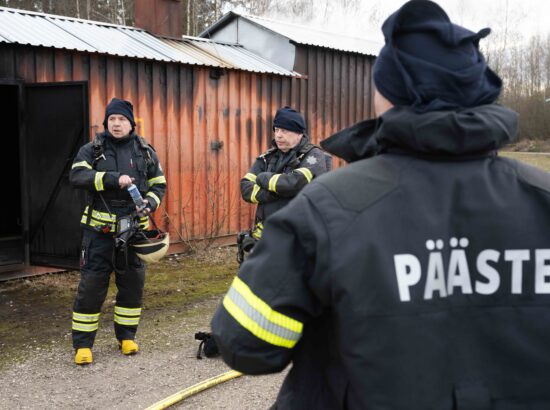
(85,251)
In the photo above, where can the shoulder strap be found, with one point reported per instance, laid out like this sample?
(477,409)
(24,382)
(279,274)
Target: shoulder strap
(145,147)
(97,149)
(306,148)
(267,153)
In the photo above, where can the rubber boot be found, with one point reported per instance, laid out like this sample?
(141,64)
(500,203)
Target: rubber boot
(128,347)
(83,356)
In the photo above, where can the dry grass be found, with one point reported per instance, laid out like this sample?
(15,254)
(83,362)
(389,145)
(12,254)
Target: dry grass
(540,159)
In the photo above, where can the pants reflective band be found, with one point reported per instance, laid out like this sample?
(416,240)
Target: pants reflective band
(127,311)
(257,317)
(127,321)
(127,316)
(84,327)
(85,322)
(86,317)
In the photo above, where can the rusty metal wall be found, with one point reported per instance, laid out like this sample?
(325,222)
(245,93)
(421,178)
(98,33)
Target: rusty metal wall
(182,109)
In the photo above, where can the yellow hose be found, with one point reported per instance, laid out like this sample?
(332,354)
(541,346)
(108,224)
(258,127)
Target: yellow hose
(196,388)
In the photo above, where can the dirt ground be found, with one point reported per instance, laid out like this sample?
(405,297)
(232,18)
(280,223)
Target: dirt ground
(36,358)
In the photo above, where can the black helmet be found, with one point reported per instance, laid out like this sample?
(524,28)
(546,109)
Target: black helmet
(150,246)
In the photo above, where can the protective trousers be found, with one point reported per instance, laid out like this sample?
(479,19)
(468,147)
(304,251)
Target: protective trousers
(97,262)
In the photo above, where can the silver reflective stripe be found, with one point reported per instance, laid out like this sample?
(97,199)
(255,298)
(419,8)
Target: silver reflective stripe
(260,319)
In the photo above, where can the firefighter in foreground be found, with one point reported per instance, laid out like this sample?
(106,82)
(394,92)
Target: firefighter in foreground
(418,276)
(281,172)
(106,167)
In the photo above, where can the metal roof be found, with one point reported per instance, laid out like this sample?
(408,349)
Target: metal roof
(305,35)
(46,30)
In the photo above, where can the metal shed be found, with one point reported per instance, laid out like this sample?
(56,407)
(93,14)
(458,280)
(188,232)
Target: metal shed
(206,106)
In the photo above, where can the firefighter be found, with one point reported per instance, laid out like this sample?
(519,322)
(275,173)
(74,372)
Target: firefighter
(281,172)
(416,277)
(105,168)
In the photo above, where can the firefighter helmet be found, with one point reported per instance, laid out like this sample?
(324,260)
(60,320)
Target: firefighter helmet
(150,246)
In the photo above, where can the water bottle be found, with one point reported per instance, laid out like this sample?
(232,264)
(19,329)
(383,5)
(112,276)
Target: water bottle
(136,196)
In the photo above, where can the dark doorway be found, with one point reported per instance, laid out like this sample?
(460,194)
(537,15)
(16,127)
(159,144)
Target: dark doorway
(55,126)
(11,223)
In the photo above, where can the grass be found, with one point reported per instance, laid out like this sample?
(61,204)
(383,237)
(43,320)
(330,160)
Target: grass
(37,311)
(539,160)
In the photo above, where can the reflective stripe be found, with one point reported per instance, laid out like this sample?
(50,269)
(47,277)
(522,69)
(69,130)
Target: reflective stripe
(255,191)
(99,219)
(307,173)
(144,222)
(273,182)
(127,321)
(127,311)
(82,164)
(82,327)
(250,176)
(257,317)
(152,195)
(156,180)
(85,317)
(99,181)
(258,230)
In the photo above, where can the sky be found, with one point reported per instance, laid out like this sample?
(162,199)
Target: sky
(510,19)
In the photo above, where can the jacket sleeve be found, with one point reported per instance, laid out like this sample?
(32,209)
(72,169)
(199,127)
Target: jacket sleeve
(251,191)
(83,176)
(263,315)
(289,184)
(156,182)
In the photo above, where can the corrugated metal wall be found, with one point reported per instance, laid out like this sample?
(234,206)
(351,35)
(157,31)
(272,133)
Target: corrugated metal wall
(181,110)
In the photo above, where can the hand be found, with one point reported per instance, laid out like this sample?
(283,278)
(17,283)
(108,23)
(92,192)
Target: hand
(124,181)
(144,211)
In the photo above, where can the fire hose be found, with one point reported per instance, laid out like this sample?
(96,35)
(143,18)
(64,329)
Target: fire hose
(196,388)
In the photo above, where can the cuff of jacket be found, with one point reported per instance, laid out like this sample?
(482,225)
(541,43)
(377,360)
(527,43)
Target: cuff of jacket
(262,179)
(110,180)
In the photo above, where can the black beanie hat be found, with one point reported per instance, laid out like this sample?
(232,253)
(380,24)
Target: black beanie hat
(431,64)
(289,119)
(122,107)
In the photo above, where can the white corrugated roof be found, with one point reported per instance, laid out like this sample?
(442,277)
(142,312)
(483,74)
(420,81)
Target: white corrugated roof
(38,29)
(306,35)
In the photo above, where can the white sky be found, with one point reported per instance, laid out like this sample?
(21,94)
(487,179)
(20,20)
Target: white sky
(519,18)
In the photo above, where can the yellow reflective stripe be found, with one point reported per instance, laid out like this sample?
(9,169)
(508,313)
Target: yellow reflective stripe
(250,176)
(257,317)
(155,197)
(85,327)
(99,181)
(144,222)
(84,317)
(156,180)
(255,191)
(127,311)
(128,321)
(307,173)
(273,182)
(100,216)
(262,307)
(82,164)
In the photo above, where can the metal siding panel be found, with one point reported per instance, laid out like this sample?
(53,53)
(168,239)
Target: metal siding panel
(45,65)
(199,149)
(98,99)
(171,167)
(244,136)
(25,64)
(352,89)
(311,114)
(62,66)
(237,168)
(186,144)
(320,100)
(7,61)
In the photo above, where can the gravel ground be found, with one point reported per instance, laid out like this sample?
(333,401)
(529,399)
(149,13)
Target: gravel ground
(165,365)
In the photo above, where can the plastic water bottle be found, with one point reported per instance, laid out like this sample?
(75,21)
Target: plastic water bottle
(136,196)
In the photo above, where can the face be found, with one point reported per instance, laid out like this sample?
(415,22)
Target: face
(285,139)
(119,125)
(381,104)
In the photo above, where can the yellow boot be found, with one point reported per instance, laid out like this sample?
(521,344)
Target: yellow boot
(83,356)
(128,347)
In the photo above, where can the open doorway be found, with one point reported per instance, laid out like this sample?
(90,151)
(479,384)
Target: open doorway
(11,221)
